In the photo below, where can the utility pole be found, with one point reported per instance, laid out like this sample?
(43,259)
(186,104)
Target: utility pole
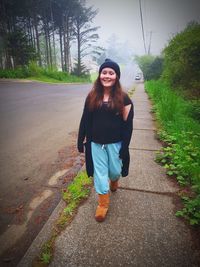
(142,25)
(149,48)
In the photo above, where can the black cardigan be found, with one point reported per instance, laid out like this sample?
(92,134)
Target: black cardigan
(85,132)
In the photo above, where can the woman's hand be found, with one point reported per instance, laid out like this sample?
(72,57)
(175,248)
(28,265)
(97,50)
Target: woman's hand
(80,147)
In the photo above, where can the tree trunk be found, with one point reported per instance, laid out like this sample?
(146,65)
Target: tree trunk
(33,35)
(4,31)
(54,49)
(79,52)
(37,40)
(30,30)
(46,43)
(61,48)
(53,33)
(8,61)
(49,42)
(67,45)
(64,44)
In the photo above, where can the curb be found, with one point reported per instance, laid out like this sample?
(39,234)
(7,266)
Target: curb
(43,236)
(33,81)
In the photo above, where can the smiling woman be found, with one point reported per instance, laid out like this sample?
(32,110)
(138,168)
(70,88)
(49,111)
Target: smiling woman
(106,124)
(108,78)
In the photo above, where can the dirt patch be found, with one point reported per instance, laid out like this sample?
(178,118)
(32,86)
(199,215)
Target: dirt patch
(29,217)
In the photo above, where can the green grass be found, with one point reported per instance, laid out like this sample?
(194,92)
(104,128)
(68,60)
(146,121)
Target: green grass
(51,75)
(43,78)
(131,91)
(93,76)
(69,79)
(73,195)
(180,134)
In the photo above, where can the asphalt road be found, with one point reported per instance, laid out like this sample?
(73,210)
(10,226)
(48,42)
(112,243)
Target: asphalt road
(37,121)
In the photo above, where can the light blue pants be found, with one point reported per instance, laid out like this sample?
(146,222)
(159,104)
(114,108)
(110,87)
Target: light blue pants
(107,165)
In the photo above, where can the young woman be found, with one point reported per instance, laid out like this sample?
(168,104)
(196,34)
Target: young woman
(106,126)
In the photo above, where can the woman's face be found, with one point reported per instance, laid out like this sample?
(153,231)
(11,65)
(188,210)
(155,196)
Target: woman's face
(108,77)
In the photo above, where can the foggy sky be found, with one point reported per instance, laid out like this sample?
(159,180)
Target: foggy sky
(163,17)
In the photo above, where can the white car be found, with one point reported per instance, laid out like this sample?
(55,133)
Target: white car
(137,77)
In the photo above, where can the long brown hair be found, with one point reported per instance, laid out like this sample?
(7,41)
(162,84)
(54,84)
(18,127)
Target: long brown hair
(95,97)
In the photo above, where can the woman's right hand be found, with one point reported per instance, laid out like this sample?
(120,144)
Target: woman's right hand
(81,147)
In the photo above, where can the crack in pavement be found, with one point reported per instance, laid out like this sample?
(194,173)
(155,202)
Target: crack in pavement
(52,186)
(169,194)
(144,149)
(144,118)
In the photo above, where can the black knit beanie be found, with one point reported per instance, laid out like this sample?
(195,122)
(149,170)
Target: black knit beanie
(108,63)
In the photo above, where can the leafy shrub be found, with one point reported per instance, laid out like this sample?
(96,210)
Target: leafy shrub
(20,72)
(191,210)
(34,69)
(54,74)
(181,157)
(182,61)
(194,110)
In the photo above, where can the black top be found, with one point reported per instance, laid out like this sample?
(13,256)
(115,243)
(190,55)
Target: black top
(107,124)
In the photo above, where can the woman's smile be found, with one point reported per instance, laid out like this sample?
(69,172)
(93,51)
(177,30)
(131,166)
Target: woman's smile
(108,77)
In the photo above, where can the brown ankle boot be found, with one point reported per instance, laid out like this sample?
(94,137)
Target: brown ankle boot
(102,208)
(113,185)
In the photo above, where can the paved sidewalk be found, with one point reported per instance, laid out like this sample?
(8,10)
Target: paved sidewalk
(141,228)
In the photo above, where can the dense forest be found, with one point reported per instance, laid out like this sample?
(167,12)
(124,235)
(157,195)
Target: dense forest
(43,31)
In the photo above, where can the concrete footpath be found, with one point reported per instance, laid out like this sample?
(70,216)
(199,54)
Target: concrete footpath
(141,228)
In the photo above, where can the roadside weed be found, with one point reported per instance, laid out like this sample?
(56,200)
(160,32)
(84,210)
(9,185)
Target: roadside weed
(46,257)
(180,155)
(191,210)
(73,195)
(131,91)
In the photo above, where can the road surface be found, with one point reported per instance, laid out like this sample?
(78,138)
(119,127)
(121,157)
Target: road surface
(37,121)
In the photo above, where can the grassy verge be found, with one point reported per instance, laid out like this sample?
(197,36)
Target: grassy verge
(34,72)
(69,79)
(131,91)
(73,195)
(93,76)
(180,135)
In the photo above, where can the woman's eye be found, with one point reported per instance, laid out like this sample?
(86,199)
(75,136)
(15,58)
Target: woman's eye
(108,73)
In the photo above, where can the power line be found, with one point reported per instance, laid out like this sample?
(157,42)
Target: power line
(142,25)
